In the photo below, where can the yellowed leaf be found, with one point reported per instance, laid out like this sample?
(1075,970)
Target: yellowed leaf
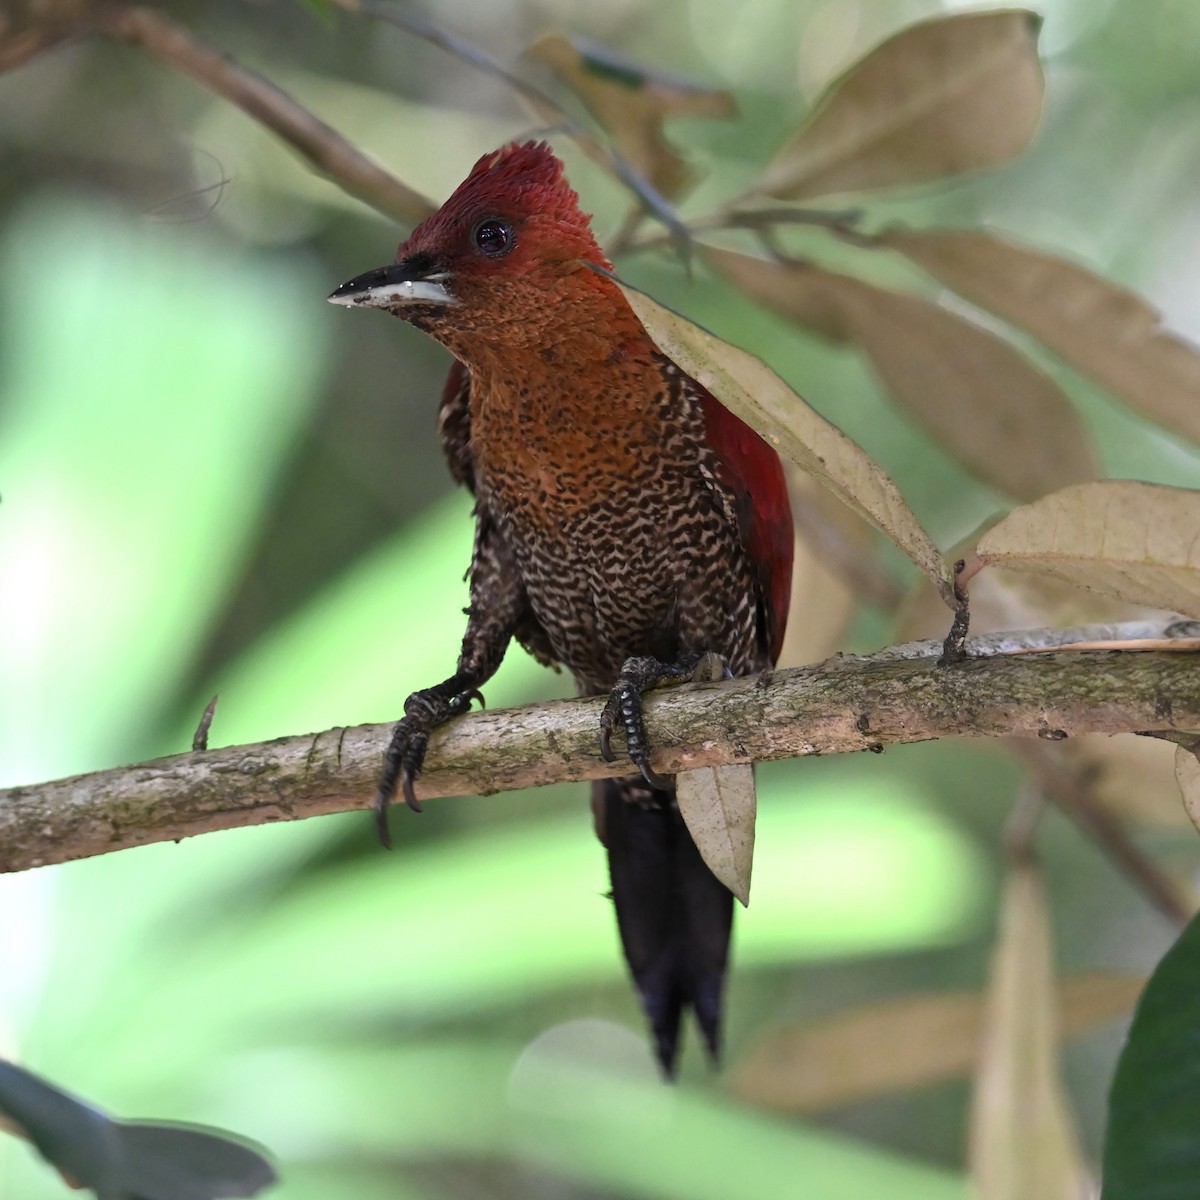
(1107,333)
(1137,541)
(974,392)
(1023,1141)
(1003,599)
(899,1045)
(954,94)
(631,102)
(1132,777)
(1187,775)
(718,805)
(749,388)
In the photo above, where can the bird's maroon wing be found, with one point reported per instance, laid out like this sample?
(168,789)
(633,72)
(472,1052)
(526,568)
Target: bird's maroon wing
(751,468)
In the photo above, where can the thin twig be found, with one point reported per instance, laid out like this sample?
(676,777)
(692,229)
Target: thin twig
(200,737)
(330,154)
(842,223)
(620,241)
(547,108)
(954,647)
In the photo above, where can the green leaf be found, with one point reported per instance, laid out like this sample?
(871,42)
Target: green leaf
(124,1160)
(1151,1147)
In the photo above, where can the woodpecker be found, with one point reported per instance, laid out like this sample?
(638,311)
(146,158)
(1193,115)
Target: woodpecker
(626,525)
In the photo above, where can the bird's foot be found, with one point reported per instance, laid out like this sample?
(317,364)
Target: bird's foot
(424,711)
(624,707)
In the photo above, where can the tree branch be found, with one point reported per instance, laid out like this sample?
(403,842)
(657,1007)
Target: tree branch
(322,147)
(845,704)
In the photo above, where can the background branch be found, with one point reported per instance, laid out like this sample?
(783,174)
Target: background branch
(1069,788)
(322,147)
(845,704)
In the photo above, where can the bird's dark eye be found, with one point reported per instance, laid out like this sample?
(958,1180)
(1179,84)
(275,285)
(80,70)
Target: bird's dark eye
(493,237)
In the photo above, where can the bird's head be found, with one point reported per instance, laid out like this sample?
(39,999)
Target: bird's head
(499,261)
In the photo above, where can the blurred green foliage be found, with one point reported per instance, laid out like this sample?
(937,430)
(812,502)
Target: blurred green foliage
(212,481)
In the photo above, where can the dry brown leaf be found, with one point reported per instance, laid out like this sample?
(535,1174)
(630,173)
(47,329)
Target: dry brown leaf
(1002,599)
(899,1045)
(954,94)
(797,290)
(1023,1141)
(1107,333)
(1137,541)
(631,102)
(718,805)
(1187,776)
(975,393)
(749,388)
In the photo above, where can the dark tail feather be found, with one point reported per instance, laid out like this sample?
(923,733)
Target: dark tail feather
(675,917)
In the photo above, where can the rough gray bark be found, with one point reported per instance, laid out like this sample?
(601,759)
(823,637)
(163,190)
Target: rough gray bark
(845,704)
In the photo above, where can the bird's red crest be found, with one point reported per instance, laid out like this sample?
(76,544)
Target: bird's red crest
(515,169)
(525,181)
(527,176)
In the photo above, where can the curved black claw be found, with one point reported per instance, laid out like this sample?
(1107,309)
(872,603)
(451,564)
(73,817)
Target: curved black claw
(652,777)
(401,767)
(624,711)
(406,786)
(405,755)
(606,728)
(380,805)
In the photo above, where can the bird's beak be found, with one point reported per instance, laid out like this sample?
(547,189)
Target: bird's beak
(395,286)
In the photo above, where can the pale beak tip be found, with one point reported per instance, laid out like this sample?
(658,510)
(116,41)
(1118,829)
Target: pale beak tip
(349,294)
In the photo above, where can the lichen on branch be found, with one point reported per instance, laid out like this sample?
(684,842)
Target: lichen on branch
(845,704)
